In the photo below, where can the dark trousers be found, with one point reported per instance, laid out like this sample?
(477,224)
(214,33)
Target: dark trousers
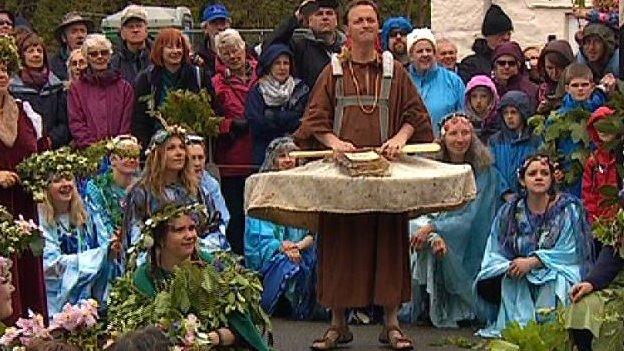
(490,289)
(233,189)
(583,339)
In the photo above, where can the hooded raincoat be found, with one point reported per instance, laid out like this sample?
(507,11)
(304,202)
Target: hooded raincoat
(550,93)
(430,84)
(600,170)
(610,61)
(492,123)
(520,81)
(268,116)
(511,148)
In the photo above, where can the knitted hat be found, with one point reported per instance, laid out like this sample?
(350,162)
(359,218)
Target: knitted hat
(496,21)
(420,34)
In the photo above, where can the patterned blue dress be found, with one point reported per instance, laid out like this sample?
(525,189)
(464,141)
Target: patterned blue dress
(560,238)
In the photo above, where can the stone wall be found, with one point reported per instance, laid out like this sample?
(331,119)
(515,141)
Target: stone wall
(533,20)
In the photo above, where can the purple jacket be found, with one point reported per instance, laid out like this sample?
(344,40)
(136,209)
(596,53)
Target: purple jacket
(520,81)
(99,107)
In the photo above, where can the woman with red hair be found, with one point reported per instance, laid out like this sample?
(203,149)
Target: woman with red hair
(170,70)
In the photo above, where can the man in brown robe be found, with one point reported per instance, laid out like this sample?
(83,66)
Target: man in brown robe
(364,258)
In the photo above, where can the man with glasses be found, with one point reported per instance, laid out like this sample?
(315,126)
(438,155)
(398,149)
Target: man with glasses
(7,22)
(132,56)
(496,29)
(71,33)
(393,38)
(313,35)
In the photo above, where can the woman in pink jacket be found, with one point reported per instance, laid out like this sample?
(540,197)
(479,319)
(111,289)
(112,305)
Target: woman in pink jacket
(236,75)
(100,102)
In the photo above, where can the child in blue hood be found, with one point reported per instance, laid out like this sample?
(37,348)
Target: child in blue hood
(516,141)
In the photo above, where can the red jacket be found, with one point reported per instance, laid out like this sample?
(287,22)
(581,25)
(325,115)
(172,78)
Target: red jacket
(234,151)
(600,170)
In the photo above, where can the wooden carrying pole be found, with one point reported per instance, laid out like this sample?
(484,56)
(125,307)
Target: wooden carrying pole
(407,149)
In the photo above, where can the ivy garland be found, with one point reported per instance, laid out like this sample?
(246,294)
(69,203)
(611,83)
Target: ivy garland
(556,128)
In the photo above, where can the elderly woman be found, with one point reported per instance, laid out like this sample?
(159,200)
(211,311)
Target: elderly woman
(19,131)
(77,260)
(449,245)
(432,79)
(284,256)
(170,70)
(100,102)
(76,64)
(553,60)
(43,90)
(169,176)
(510,72)
(236,75)
(275,105)
(7,22)
(538,248)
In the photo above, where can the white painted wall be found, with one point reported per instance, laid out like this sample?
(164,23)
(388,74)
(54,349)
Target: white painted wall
(533,20)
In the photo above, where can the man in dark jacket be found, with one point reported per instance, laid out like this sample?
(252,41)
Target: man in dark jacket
(313,35)
(496,29)
(215,19)
(132,56)
(70,33)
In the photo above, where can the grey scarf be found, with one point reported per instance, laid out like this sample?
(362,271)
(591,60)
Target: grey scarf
(275,93)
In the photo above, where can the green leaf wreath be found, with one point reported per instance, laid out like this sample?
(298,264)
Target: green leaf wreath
(197,296)
(548,336)
(190,110)
(557,127)
(17,236)
(36,171)
(610,231)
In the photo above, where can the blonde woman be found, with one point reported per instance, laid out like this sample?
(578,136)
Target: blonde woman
(76,260)
(100,103)
(169,177)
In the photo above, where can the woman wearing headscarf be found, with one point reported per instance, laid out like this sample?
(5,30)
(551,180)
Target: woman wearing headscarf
(276,103)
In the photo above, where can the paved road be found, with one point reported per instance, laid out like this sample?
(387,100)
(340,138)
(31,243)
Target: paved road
(297,336)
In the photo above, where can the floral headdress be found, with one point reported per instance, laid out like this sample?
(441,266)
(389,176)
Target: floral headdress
(9,55)
(163,135)
(37,171)
(454,119)
(170,211)
(124,146)
(17,236)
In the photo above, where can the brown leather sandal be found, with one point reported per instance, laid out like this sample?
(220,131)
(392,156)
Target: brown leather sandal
(345,336)
(384,338)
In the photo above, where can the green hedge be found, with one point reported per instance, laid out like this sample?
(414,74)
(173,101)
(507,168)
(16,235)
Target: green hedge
(46,14)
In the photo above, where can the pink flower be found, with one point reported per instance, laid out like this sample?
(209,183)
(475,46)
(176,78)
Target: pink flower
(189,338)
(9,336)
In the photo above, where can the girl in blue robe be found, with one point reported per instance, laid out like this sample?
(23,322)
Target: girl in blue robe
(284,256)
(105,194)
(76,259)
(539,246)
(446,278)
(169,177)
